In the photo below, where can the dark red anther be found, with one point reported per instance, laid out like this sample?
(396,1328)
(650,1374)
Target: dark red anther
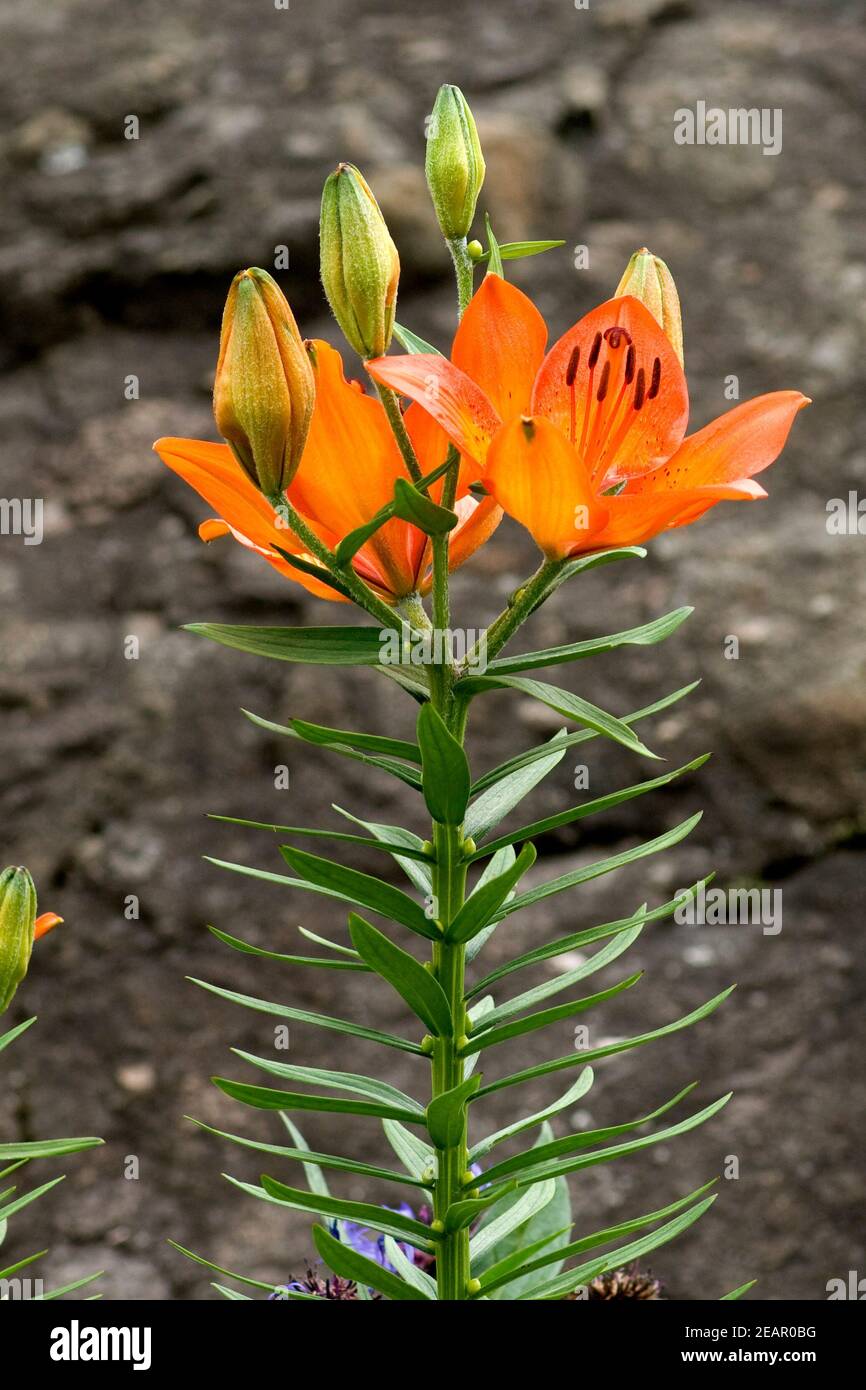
(603,384)
(656,378)
(594,351)
(629,364)
(571,369)
(639,388)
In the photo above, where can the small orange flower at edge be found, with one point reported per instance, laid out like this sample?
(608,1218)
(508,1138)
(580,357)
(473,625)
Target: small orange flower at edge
(585,446)
(346,475)
(45,922)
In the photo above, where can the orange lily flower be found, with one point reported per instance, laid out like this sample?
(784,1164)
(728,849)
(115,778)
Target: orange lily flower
(585,446)
(347,474)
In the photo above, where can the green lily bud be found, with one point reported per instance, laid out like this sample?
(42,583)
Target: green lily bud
(455,165)
(17,927)
(359,262)
(264,390)
(648,279)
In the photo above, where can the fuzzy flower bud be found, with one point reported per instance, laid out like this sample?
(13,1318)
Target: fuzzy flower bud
(455,165)
(648,279)
(359,262)
(17,926)
(264,389)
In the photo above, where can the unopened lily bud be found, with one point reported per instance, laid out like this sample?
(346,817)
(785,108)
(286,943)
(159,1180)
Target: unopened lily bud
(359,262)
(264,389)
(455,164)
(648,279)
(17,925)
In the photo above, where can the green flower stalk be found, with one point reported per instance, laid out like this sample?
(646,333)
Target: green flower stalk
(359,262)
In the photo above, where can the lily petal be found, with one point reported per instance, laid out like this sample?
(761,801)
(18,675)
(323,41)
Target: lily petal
(736,445)
(500,344)
(641,419)
(214,473)
(538,478)
(453,399)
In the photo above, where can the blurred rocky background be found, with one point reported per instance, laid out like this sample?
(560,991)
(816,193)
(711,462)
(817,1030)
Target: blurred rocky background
(116,255)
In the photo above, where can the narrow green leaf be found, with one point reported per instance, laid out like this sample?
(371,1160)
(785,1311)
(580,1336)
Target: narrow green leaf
(412,343)
(499,1275)
(503,795)
(497,864)
(336,1025)
(519,1212)
(530,997)
(392,1223)
(574,1093)
(521,760)
(483,905)
(234,1294)
(603,866)
(22,1264)
(362,841)
(346,1262)
(218,1269)
(413,1152)
(316,1180)
(266,1098)
(356,1084)
(361,889)
(494,255)
(7,1038)
(565,1283)
(407,1270)
(516,250)
(313,569)
(444,769)
(561,1167)
(465,1212)
(446,1113)
(424,994)
(318,646)
(322,961)
(588,562)
(311,1159)
(608,1050)
(331,945)
(491,1037)
(571,1143)
(392,766)
(68,1288)
(19,1203)
(423,926)
(46,1148)
(644,636)
(589,808)
(412,506)
(575,941)
(413,859)
(365,743)
(563,702)
(355,540)
(738,1292)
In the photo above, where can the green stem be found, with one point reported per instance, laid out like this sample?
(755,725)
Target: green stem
(391,403)
(448,963)
(362,595)
(464,269)
(520,605)
(449,958)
